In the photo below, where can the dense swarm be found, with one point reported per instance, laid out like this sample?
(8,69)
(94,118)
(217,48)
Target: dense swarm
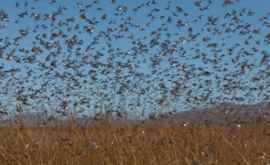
(81,57)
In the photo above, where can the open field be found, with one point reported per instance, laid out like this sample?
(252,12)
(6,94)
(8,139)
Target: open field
(155,142)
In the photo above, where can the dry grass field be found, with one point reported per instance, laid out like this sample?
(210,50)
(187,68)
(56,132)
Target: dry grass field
(154,142)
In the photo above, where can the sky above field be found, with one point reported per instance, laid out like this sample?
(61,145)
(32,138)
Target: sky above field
(137,56)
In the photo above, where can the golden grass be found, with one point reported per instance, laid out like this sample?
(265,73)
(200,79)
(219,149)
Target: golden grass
(149,143)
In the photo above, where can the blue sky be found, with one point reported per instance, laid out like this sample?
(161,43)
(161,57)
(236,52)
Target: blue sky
(48,91)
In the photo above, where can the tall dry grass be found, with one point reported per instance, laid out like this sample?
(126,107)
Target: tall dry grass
(131,143)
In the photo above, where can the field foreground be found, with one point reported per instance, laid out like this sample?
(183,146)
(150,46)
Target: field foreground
(149,143)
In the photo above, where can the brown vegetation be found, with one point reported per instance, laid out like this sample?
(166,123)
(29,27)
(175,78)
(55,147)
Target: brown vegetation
(159,142)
